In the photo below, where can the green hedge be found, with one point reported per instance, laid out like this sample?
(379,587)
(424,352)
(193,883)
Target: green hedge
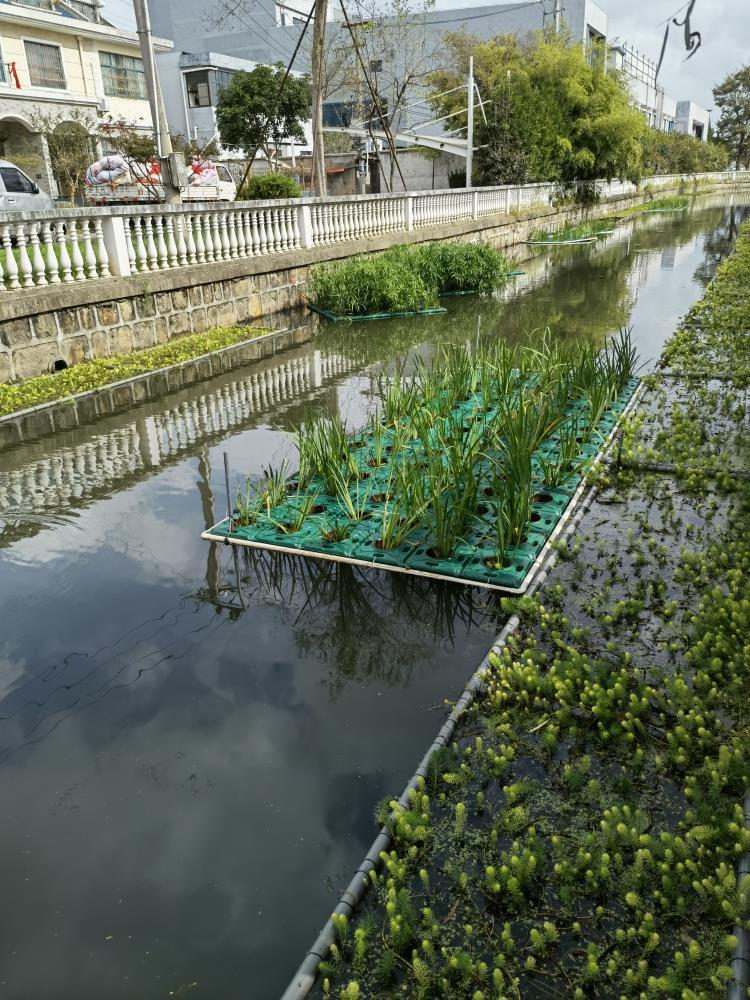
(269,186)
(103,371)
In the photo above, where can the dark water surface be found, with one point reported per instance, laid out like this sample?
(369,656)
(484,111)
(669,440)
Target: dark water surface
(192,745)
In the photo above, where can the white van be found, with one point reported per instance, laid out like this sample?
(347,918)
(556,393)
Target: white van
(18,193)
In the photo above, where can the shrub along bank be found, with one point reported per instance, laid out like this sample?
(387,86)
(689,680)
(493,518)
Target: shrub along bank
(581,836)
(406,279)
(104,371)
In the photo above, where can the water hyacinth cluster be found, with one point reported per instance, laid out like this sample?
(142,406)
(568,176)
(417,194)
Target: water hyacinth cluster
(451,466)
(406,279)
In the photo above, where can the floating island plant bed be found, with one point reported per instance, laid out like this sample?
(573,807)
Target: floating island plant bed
(334,318)
(585,232)
(404,280)
(465,474)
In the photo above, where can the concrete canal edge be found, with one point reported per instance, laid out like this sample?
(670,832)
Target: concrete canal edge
(740,963)
(83,407)
(304,979)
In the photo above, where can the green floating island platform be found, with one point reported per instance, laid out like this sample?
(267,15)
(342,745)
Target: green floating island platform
(334,318)
(474,560)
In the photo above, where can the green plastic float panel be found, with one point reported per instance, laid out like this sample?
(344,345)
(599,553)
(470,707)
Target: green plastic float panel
(471,561)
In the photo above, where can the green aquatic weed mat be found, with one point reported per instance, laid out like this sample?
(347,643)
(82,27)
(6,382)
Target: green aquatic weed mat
(474,559)
(592,795)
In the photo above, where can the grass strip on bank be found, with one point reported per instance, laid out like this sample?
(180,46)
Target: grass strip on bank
(101,372)
(581,836)
(406,279)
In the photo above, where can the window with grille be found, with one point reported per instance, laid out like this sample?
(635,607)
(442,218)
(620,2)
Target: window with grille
(123,76)
(45,65)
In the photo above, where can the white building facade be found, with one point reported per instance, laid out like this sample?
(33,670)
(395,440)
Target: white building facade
(661,111)
(693,120)
(62,58)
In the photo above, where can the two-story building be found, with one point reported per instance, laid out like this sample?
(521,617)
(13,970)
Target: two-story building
(57,56)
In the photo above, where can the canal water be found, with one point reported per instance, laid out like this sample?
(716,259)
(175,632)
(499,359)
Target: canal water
(193,743)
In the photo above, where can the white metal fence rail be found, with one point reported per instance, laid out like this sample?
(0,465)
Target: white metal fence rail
(87,244)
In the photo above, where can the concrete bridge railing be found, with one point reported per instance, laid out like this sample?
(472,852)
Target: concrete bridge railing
(89,244)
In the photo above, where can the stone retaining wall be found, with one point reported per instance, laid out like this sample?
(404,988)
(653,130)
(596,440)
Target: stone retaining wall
(62,415)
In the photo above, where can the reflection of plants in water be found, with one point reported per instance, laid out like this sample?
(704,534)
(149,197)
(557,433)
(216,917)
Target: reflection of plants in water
(719,243)
(359,623)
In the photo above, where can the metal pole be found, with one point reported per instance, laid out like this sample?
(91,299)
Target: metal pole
(319,182)
(158,114)
(470,125)
(229,491)
(558,16)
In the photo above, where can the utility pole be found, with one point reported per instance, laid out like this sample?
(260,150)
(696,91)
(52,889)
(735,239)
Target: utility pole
(158,114)
(558,16)
(470,125)
(319,184)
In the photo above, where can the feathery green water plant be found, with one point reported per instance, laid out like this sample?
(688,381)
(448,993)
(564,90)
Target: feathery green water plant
(406,279)
(376,283)
(460,267)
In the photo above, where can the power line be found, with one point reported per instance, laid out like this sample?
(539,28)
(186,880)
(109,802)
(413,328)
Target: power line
(678,11)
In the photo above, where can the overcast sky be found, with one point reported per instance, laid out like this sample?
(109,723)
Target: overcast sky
(724,26)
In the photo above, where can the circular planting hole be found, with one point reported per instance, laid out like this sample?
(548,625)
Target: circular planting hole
(483,509)
(292,487)
(432,553)
(496,564)
(490,492)
(380,497)
(540,497)
(535,517)
(317,509)
(374,463)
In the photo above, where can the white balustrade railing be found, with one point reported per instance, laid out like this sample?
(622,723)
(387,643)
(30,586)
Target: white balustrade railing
(74,245)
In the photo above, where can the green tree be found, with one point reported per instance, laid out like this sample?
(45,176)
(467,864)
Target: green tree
(71,141)
(732,97)
(254,112)
(554,114)
(678,153)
